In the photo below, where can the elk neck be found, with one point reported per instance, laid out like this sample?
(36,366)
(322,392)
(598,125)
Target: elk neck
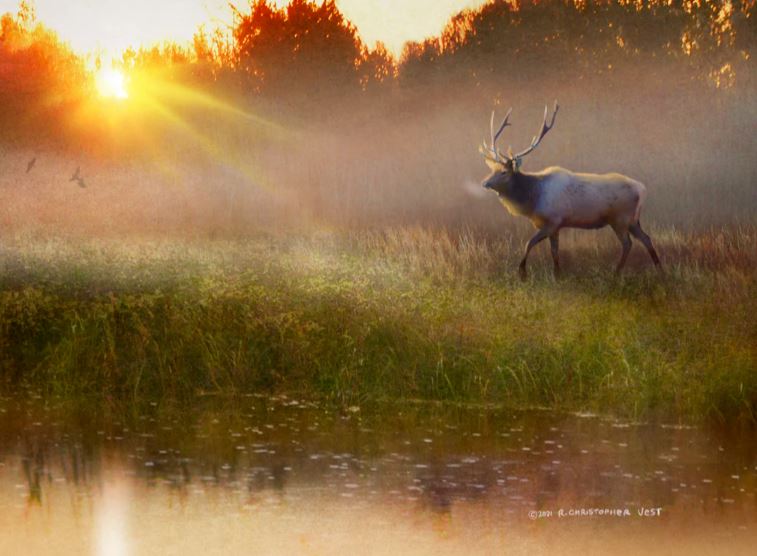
(521,194)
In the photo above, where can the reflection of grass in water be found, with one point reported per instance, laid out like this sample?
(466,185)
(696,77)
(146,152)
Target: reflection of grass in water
(400,314)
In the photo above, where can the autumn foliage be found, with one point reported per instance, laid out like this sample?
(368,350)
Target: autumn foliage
(40,78)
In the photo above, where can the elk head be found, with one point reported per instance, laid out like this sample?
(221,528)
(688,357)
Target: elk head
(505,166)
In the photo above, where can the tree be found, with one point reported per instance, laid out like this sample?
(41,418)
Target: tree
(304,49)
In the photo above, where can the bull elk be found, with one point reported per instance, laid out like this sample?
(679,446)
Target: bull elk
(557,198)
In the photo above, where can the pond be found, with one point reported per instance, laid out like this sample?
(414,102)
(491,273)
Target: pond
(255,475)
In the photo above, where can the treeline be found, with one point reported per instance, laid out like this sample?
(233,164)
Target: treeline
(307,49)
(308,52)
(527,39)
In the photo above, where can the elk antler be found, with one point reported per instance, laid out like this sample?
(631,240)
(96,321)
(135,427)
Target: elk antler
(544,129)
(494,136)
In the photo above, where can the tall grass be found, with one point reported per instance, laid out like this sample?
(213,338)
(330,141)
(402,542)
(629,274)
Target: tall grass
(402,313)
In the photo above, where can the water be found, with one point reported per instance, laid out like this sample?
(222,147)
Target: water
(280,476)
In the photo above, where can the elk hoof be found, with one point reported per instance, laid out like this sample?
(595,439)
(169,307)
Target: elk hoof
(522,273)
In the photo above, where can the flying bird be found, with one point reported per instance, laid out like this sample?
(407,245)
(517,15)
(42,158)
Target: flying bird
(31,164)
(77,177)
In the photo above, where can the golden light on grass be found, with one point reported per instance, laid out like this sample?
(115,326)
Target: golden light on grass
(111,83)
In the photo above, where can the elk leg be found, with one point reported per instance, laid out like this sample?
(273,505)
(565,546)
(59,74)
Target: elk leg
(639,234)
(540,235)
(625,241)
(554,244)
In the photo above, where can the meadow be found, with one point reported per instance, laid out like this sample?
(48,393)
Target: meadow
(398,314)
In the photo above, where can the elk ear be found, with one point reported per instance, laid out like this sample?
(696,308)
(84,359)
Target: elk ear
(517,162)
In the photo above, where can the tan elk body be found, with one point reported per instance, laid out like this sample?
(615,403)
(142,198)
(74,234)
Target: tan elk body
(556,198)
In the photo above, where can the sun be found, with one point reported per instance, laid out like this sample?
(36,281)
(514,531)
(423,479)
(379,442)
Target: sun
(111,83)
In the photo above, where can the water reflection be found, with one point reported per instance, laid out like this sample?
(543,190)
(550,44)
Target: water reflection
(111,518)
(280,475)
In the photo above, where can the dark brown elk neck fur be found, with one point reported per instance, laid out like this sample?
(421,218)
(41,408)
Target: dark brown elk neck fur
(520,190)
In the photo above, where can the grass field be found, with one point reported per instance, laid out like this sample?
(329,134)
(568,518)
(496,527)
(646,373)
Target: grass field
(407,313)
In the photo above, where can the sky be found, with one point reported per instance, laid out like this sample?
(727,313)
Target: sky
(110,26)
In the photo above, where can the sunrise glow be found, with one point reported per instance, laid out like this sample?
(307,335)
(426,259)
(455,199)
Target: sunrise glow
(111,83)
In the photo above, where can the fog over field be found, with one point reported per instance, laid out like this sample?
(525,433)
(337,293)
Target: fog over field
(198,149)
(412,163)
